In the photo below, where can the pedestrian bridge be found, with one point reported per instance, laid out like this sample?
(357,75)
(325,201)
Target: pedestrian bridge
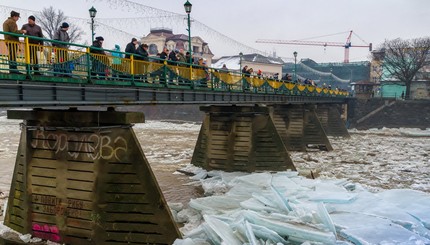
(81,177)
(50,75)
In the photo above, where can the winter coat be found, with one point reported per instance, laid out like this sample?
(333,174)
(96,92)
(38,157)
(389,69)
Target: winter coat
(98,45)
(63,36)
(172,56)
(130,48)
(163,56)
(181,58)
(142,54)
(34,31)
(116,53)
(10,26)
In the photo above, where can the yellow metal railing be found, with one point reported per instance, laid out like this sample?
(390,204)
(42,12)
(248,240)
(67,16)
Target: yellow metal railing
(85,62)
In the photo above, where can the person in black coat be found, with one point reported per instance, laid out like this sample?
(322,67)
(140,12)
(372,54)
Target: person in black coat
(173,56)
(163,55)
(98,67)
(142,52)
(141,55)
(131,48)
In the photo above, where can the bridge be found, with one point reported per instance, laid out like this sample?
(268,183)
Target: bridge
(52,76)
(81,177)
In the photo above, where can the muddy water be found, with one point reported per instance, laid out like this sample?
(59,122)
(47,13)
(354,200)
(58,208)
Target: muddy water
(176,187)
(168,150)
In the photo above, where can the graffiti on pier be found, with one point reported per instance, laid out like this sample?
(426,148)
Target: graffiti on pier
(94,146)
(57,206)
(47,232)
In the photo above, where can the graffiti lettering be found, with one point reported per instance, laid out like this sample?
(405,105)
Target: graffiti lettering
(56,206)
(47,232)
(93,146)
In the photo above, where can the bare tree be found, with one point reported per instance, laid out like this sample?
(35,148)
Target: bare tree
(50,20)
(403,59)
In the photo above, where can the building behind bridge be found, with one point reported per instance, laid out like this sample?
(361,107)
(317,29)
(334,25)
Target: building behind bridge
(390,87)
(158,38)
(268,65)
(335,74)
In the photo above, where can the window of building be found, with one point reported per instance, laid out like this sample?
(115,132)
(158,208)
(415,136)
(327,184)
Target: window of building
(153,49)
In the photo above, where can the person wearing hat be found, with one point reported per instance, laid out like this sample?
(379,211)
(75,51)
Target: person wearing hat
(173,58)
(142,55)
(116,61)
(131,48)
(61,55)
(12,42)
(62,36)
(98,58)
(33,30)
(142,52)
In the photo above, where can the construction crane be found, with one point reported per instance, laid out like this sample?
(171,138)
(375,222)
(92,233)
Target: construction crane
(346,45)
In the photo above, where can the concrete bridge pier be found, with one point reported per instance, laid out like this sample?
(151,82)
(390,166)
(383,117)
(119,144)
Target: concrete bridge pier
(299,127)
(81,177)
(331,120)
(240,138)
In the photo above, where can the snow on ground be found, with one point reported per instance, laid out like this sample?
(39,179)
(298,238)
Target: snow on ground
(369,184)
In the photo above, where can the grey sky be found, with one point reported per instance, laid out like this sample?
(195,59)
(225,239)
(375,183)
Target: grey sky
(246,21)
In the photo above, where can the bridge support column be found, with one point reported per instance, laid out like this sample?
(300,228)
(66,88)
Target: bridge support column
(331,120)
(240,138)
(299,127)
(81,178)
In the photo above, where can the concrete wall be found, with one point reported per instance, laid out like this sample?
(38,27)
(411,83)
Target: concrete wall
(378,113)
(420,90)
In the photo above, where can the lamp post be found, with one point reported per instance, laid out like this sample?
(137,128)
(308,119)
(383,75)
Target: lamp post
(240,62)
(295,65)
(93,13)
(187,7)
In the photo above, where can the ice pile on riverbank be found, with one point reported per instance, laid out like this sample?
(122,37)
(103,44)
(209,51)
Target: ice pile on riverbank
(407,132)
(279,208)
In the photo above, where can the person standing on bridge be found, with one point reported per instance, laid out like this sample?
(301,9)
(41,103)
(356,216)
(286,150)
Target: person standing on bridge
(99,59)
(142,55)
(116,62)
(131,48)
(33,30)
(61,55)
(164,55)
(12,42)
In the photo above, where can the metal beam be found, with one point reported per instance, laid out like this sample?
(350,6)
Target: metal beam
(33,94)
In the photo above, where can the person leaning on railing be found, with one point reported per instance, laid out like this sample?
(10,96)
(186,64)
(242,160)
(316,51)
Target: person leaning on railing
(116,62)
(62,67)
(12,42)
(142,55)
(98,68)
(34,30)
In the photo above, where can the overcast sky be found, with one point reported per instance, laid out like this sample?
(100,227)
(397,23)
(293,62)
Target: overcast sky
(248,20)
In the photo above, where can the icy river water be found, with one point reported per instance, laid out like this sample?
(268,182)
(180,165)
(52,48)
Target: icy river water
(378,159)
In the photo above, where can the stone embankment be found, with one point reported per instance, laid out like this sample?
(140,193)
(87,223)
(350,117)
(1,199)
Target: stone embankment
(378,113)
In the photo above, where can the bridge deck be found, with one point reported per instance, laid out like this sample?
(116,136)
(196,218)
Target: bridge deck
(45,75)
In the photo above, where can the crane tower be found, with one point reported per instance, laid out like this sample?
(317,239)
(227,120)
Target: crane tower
(345,45)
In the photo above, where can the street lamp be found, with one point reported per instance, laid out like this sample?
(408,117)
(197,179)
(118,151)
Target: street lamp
(240,62)
(295,65)
(187,7)
(93,13)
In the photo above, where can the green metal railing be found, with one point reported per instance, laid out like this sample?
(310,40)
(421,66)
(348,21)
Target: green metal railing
(77,64)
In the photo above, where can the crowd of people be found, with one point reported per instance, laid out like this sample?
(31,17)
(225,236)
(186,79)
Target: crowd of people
(139,51)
